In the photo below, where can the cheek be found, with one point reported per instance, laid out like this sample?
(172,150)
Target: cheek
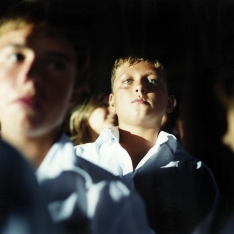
(97,117)
(121,100)
(6,90)
(60,88)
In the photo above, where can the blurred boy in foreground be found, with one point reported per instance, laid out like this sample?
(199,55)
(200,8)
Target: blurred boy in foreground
(40,57)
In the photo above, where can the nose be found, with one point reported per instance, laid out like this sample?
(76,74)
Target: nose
(32,73)
(140,88)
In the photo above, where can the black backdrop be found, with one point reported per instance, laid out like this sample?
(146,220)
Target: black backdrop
(191,38)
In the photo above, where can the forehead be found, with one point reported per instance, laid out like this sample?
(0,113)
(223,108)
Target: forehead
(140,67)
(31,35)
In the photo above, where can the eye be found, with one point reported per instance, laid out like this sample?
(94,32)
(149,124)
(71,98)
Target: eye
(153,81)
(16,57)
(57,65)
(127,81)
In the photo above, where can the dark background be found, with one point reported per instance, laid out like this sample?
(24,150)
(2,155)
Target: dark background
(193,39)
(172,31)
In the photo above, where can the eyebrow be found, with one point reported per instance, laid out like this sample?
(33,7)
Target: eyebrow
(153,73)
(60,54)
(146,74)
(52,53)
(15,45)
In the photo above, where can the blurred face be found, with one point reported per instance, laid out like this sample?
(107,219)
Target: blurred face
(140,96)
(102,118)
(37,73)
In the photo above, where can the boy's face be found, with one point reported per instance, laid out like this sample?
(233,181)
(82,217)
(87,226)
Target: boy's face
(37,74)
(140,95)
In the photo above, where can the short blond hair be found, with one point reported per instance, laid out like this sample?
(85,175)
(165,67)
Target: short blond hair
(130,60)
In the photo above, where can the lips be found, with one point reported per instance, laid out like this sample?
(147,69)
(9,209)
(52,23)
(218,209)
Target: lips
(27,102)
(139,101)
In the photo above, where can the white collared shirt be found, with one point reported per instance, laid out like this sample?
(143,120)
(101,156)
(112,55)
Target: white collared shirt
(107,153)
(78,190)
(178,189)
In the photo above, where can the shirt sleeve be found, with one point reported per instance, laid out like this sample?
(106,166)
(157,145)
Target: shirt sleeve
(119,210)
(95,202)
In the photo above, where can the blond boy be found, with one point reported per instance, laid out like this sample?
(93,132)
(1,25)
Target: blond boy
(178,190)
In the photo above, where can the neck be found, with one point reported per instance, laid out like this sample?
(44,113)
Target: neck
(33,148)
(140,134)
(137,142)
(93,135)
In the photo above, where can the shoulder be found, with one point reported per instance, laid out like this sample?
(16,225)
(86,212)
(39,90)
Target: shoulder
(79,149)
(194,163)
(96,173)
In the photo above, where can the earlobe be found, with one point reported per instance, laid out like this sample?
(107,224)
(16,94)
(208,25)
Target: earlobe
(111,103)
(171,103)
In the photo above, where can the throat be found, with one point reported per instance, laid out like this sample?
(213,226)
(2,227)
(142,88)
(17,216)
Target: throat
(137,143)
(136,153)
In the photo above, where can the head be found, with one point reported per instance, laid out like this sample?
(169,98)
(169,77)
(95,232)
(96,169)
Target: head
(40,60)
(129,61)
(139,91)
(90,117)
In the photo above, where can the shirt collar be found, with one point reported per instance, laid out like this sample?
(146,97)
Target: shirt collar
(109,134)
(59,157)
(163,137)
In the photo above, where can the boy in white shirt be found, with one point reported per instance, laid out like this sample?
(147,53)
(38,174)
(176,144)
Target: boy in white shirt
(40,50)
(178,190)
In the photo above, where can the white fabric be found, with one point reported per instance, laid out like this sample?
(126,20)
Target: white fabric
(107,200)
(178,189)
(107,153)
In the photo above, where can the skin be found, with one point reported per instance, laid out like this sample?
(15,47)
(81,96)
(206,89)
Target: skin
(228,136)
(37,74)
(102,117)
(140,99)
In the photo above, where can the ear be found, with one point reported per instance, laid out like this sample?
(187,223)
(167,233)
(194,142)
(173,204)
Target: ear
(112,103)
(171,103)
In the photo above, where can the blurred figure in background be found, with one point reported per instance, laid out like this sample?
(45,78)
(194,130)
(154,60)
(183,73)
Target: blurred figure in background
(90,117)
(221,93)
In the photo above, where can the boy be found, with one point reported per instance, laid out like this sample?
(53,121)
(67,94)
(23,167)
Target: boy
(178,190)
(39,61)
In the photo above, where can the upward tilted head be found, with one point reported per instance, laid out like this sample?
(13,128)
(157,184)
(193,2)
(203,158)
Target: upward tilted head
(139,91)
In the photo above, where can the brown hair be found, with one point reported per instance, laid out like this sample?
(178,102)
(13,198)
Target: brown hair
(79,133)
(58,20)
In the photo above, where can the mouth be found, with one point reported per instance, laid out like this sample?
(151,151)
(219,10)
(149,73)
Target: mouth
(140,101)
(27,102)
